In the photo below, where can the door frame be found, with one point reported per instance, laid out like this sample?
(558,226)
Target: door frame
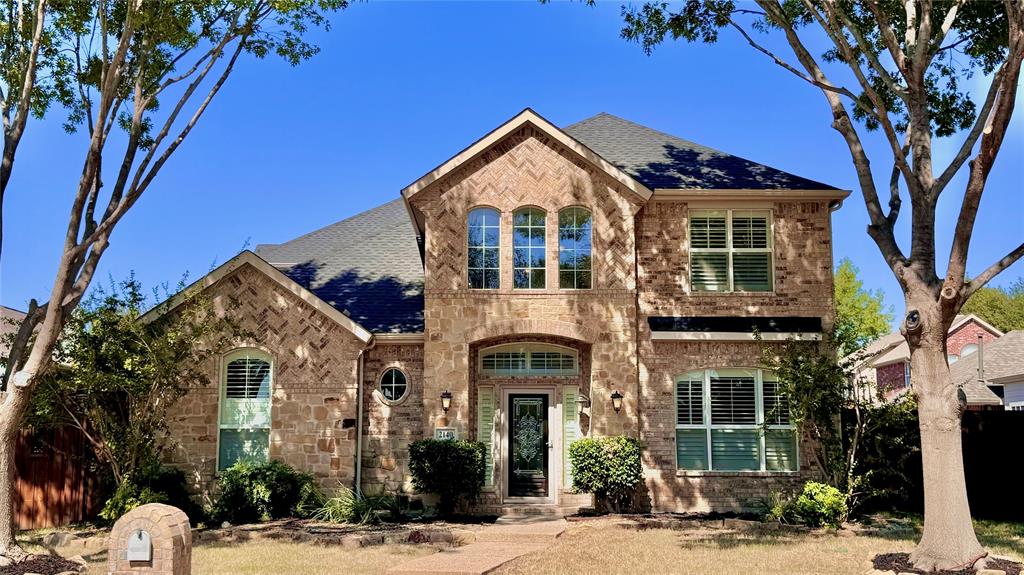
(554,438)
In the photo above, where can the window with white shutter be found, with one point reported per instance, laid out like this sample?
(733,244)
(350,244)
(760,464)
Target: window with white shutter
(245,400)
(731,250)
(733,420)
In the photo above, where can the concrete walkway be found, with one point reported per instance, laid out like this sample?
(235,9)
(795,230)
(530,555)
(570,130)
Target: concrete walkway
(495,545)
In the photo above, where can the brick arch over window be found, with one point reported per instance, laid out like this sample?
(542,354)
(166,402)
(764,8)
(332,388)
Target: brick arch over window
(531,327)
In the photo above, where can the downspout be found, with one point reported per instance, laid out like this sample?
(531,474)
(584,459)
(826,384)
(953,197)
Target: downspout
(359,416)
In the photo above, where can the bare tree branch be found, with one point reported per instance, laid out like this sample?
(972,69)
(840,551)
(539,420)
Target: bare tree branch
(984,115)
(991,272)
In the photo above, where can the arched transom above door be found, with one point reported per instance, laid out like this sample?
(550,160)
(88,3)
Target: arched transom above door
(528,359)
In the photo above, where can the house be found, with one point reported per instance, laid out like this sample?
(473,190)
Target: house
(886,361)
(543,284)
(997,367)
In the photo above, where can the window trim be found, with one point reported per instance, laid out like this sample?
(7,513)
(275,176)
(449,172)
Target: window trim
(708,426)
(466,267)
(379,394)
(729,250)
(529,348)
(225,360)
(544,248)
(558,260)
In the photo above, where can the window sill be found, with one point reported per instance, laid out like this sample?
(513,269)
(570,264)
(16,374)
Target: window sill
(697,473)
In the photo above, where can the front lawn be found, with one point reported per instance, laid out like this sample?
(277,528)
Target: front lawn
(612,546)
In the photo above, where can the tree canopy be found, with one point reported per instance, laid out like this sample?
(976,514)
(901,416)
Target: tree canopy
(1003,307)
(861,315)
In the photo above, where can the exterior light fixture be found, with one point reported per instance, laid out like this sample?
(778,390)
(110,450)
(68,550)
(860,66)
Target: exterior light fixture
(446,400)
(616,401)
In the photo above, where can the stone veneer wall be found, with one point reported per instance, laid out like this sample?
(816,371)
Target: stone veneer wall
(313,409)
(803,273)
(529,169)
(389,427)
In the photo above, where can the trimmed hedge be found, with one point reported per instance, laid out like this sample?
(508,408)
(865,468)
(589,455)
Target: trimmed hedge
(454,470)
(608,467)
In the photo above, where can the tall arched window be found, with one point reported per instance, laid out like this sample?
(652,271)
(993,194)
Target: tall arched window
(528,259)
(245,408)
(484,256)
(574,239)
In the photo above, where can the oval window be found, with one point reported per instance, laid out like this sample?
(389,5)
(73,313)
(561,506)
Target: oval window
(393,385)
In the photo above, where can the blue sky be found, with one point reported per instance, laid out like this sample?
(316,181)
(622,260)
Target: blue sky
(400,87)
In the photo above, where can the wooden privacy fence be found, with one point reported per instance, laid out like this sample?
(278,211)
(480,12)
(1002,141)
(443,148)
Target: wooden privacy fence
(54,486)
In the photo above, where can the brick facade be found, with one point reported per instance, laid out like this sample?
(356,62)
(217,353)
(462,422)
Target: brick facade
(967,334)
(640,269)
(313,410)
(891,377)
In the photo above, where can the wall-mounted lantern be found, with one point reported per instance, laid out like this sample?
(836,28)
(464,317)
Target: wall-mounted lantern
(616,401)
(446,400)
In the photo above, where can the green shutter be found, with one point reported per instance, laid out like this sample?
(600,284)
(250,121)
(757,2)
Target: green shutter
(570,428)
(735,450)
(780,450)
(485,428)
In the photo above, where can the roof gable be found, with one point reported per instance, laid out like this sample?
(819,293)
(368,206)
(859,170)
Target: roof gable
(525,117)
(251,259)
(663,161)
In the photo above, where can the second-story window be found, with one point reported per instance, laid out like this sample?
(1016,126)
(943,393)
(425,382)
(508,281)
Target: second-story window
(484,256)
(574,243)
(528,259)
(731,250)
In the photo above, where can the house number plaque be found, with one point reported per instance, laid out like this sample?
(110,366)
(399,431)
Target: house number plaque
(448,433)
(140,548)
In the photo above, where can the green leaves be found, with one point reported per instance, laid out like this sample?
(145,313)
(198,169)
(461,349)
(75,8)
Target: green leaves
(1001,307)
(861,316)
(608,467)
(454,470)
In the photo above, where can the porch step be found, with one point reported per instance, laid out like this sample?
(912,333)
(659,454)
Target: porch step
(547,511)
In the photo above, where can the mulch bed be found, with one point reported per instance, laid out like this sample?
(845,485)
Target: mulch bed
(900,563)
(42,564)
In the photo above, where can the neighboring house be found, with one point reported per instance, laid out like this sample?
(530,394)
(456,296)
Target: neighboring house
(886,362)
(543,285)
(997,367)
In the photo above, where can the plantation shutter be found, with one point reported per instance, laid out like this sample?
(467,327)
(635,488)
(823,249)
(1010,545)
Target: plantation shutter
(691,444)
(570,428)
(246,401)
(780,447)
(734,402)
(709,257)
(485,429)
(751,270)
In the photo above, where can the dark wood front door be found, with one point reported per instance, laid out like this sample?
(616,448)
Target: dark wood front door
(528,445)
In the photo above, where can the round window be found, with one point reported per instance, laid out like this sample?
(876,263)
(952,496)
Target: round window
(393,385)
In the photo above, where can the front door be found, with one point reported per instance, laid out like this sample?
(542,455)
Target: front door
(528,445)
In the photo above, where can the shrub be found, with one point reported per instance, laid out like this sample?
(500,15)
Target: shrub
(251,492)
(608,467)
(157,484)
(454,470)
(351,507)
(820,505)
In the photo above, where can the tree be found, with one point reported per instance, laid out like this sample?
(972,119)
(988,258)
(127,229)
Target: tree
(138,73)
(861,317)
(905,61)
(117,376)
(1001,307)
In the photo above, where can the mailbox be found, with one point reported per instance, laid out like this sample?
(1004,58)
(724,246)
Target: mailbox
(140,547)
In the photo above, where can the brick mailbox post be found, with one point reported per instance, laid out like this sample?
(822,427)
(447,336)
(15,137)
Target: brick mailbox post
(153,539)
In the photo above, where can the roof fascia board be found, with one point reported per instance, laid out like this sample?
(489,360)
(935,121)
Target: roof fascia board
(527,116)
(740,194)
(248,257)
(984,324)
(399,338)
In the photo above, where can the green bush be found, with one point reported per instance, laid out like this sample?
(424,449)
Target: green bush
(249,492)
(820,505)
(454,470)
(608,467)
(347,506)
(158,484)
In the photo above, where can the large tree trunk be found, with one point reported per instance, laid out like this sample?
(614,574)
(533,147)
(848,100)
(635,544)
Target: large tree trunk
(12,408)
(948,540)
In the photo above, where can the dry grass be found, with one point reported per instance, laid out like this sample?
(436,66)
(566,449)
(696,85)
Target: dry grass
(615,547)
(284,558)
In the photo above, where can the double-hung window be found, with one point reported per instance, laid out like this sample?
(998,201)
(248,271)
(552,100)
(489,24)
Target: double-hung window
(245,408)
(731,250)
(733,420)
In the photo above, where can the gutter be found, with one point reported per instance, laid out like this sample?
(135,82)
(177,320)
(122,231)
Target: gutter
(359,415)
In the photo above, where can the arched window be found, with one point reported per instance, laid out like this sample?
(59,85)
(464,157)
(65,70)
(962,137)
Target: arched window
(733,420)
(574,242)
(518,359)
(393,384)
(528,259)
(245,408)
(484,255)
(968,350)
